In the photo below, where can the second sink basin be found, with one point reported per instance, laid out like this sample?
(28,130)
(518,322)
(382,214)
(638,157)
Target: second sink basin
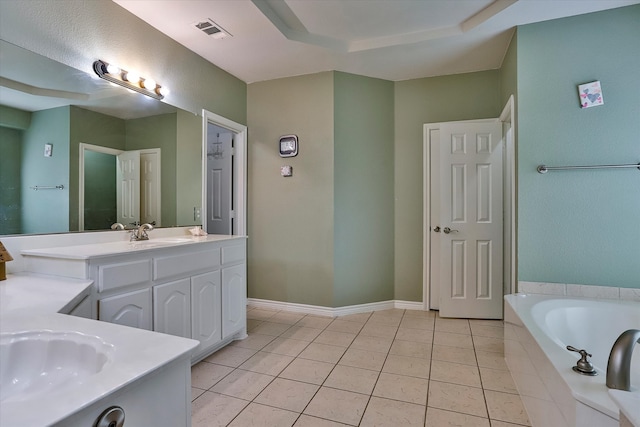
(33,363)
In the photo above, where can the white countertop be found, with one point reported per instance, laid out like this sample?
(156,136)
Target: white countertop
(39,294)
(629,404)
(86,251)
(31,302)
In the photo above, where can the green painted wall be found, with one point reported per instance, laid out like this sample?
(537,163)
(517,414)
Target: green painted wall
(579,226)
(94,128)
(188,167)
(363,190)
(429,100)
(47,126)
(509,72)
(158,131)
(14,118)
(99,191)
(10,182)
(290,220)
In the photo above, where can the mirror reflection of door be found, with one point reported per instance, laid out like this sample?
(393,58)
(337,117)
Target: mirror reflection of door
(219,180)
(107,197)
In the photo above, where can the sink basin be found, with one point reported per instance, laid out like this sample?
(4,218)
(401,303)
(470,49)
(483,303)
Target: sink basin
(33,363)
(166,241)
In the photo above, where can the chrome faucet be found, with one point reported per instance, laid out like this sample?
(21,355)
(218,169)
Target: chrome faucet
(140,233)
(619,365)
(117,226)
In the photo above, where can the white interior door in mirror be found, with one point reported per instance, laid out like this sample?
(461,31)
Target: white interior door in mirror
(128,188)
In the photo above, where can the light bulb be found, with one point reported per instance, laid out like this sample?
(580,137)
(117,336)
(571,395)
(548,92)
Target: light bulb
(112,69)
(162,90)
(132,77)
(149,84)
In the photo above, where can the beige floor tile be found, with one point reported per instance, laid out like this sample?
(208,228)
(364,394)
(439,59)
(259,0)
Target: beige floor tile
(204,375)
(506,407)
(384,319)
(441,418)
(454,326)
(496,423)
(417,335)
(323,352)
(231,356)
(425,323)
(196,392)
(405,365)
(378,330)
(496,380)
(256,415)
(286,318)
(487,331)
(455,373)
(286,346)
(260,314)
(344,326)
(266,363)
(402,387)
(487,322)
(242,384)
(357,317)
(270,328)
(316,322)
(302,333)
(454,354)
(308,371)
(363,359)
(452,340)
(338,405)
(253,341)
(371,343)
(309,421)
(457,398)
(341,339)
(420,313)
(252,324)
(352,379)
(392,413)
(491,360)
(411,349)
(491,345)
(287,394)
(215,410)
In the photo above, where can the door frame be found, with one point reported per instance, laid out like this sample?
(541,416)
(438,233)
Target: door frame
(239,177)
(507,116)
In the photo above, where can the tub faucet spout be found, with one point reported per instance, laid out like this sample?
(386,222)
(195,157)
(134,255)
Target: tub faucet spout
(619,366)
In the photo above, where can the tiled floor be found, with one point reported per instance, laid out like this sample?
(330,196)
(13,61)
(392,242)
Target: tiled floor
(386,368)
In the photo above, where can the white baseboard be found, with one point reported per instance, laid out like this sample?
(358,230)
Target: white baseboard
(333,312)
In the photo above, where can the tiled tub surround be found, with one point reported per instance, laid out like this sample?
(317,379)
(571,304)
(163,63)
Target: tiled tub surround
(582,291)
(387,368)
(537,330)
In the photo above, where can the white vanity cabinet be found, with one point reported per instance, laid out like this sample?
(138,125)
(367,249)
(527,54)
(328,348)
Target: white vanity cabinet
(194,289)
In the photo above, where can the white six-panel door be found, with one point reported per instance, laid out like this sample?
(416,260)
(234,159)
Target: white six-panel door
(470,254)
(128,187)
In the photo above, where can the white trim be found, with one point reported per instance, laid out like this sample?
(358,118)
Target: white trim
(240,169)
(333,312)
(508,115)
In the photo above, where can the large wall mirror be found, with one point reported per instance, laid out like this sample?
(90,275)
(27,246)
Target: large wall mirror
(60,130)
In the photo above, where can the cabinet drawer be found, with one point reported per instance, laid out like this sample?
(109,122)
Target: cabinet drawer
(121,274)
(185,264)
(236,253)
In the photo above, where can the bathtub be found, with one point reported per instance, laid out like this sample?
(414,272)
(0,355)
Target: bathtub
(537,330)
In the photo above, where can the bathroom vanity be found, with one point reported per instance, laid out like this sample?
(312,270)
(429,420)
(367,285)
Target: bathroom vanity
(192,287)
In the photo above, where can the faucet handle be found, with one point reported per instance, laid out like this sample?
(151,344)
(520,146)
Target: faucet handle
(583,366)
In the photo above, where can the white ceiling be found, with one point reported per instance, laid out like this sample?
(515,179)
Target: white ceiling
(388,39)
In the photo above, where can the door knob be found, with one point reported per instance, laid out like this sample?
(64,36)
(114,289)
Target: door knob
(447,230)
(437,229)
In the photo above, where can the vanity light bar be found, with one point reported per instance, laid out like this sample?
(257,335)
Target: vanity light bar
(128,80)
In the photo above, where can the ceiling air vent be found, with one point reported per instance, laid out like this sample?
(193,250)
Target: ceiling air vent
(212,29)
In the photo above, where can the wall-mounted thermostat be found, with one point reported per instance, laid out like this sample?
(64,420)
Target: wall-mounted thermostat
(288,146)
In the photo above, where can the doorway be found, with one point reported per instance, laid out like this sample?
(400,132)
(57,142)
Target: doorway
(469,264)
(224,180)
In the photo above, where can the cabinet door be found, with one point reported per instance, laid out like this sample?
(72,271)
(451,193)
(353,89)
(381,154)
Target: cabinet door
(129,309)
(205,309)
(234,299)
(172,308)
